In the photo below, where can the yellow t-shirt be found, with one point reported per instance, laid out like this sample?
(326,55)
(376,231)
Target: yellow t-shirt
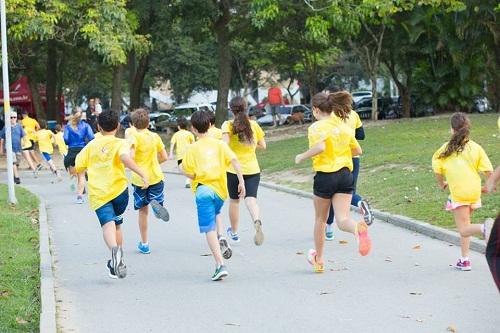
(181,139)
(25,142)
(30,125)
(130,131)
(147,145)
(45,140)
(106,172)
(244,152)
(339,141)
(215,133)
(353,122)
(207,159)
(61,145)
(462,171)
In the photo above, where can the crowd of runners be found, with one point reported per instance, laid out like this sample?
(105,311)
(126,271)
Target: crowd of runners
(222,163)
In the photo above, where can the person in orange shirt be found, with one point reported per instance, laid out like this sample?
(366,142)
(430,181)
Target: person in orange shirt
(275,99)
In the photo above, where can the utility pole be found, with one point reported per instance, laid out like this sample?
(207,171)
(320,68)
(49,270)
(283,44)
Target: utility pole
(6,106)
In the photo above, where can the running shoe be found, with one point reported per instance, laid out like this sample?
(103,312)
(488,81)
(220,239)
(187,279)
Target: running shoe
(364,241)
(329,233)
(366,210)
(463,265)
(17,180)
(311,258)
(225,249)
(233,237)
(160,211)
(258,239)
(79,199)
(220,273)
(143,248)
(114,259)
(39,167)
(121,268)
(111,271)
(488,225)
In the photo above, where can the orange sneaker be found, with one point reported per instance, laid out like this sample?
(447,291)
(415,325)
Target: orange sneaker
(311,258)
(364,241)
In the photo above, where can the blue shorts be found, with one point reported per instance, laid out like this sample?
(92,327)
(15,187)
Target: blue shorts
(46,156)
(142,198)
(113,210)
(208,205)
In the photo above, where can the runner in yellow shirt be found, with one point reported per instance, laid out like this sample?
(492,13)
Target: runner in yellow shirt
(213,131)
(105,160)
(149,153)
(244,136)
(181,141)
(46,140)
(30,127)
(59,138)
(205,162)
(331,147)
(457,165)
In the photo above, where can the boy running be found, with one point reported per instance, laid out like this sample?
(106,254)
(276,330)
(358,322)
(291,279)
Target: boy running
(105,160)
(59,138)
(46,140)
(205,162)
(30,127)
(181,140)
(148,152)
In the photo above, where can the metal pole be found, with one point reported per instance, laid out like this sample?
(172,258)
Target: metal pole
(6,106)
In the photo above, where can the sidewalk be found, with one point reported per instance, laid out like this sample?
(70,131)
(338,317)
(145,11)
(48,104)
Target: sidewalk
(406,284)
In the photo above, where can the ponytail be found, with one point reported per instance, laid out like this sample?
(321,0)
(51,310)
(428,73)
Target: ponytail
(460,124)
(241,123)
(341,102)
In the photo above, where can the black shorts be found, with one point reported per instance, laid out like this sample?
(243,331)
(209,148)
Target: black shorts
(179,162)
(326,184)
(30,148)
(69,159)
(251,185)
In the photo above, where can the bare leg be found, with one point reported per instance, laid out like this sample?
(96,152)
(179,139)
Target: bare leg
(234,214)
(253,208)
(81,182)
(109,232)
(213,243)
(465,228)
(26,155)
(220,225)
(16,172)
(34,155)
(321,209)
(119,234)
(143,223)
(341,205)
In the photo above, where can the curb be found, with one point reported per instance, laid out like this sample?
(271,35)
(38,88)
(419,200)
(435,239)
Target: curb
(398,220)
(47,293)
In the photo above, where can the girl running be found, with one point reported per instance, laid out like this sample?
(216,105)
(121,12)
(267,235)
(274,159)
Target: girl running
(76,135)
(331,147)
(243,136)
(459,161)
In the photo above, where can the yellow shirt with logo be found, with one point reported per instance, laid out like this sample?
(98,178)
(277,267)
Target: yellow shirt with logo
(30,125)
(244,152)
(207,159)
(181,139)
(339,141)
(215,133)
(462,171)
(147,145)
(45,140)
(61,145)
(106,172)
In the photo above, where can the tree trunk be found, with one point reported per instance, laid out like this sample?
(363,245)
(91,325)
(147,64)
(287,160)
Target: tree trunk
(221,28)
(116,90)
(373,80)
(51,80)
(37,101)
(137,81)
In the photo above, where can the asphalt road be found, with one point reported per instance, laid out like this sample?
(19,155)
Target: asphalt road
(407,283)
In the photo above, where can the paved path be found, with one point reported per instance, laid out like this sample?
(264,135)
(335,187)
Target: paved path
(407,284)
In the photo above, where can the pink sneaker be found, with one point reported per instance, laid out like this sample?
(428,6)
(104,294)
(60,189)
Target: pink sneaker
(364,241)
(463,265)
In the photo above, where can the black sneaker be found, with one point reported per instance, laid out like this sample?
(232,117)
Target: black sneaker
(111,271)
(225,248)
(17,180)
(366,210)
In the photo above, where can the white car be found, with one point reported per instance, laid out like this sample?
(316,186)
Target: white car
(358,95)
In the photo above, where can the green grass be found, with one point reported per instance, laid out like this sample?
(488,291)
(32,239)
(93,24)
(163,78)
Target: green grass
(19,263)
(396,174)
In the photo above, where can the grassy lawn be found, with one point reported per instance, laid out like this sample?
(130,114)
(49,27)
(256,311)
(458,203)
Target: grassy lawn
(396,174)
(19,263)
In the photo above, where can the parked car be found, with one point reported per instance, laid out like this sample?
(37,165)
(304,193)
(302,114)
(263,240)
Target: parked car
(480,104)
(388,108)
(255,111)
(358,95)
(184,110)
(156,119)
(286,112)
